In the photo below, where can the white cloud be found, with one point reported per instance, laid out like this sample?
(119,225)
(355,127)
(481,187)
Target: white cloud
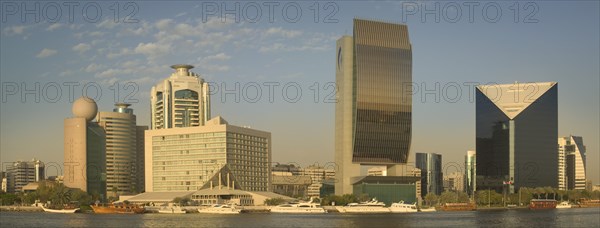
(54,26)
(15,30)
(81,48)
(46,53)
(282,32)
(221,56)
(66,73)
(181,14)
(107,24)
(215,68)
(93,67)
(152,50)
(122,52)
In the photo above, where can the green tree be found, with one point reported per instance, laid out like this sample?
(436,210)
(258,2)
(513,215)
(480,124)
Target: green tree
(61,196)
(431,199)
(274,201)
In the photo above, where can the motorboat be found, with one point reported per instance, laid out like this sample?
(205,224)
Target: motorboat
(171,210)
(220,209)
(563,205)
(430,209)
(299,208)
(372,206)
(402,207)
(67,210)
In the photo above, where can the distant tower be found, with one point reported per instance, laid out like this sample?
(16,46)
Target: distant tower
(84,149)
(182,100)
(430,165)
(571,163)
(470,172)
(121,149)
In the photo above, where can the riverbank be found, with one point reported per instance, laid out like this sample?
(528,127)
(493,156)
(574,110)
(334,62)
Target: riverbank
(21,208)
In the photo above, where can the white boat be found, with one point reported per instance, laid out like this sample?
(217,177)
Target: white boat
(171,210)
(372,206)
(563,205)
(61,211)
(299,208)
(220,209)
(402,207)
(431,209)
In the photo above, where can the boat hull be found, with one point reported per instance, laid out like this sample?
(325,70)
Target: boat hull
(61,211)
(299,210)
(363,210)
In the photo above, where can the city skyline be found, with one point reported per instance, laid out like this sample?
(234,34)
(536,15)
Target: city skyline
(136,55)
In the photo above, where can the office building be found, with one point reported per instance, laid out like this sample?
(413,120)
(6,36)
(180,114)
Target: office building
(470,173)
(85,149)
(21,173)
(140,164)
(182,100)
(372,114)
(121,149)
(516,132)
(571,163)
(216,154)
(317,175)
(430,165)
(454,182)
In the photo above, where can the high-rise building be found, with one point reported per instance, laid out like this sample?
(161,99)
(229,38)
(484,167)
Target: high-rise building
(140,164)
(4,185)
(216,154)
(372,114)
(85,149)
(571,163)
(317,175)
(182,100)
(121,149)
(454,182)
(516,132)
(430,165)
(470,173)
(21,173)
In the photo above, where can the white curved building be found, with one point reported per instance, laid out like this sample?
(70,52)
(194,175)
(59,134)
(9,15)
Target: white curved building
(182,100)
(571,163)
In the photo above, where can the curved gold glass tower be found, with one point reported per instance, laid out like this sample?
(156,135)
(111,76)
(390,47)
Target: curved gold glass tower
(373,113)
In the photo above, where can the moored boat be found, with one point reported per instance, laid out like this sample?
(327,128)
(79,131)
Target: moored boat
(220,209)
(458,207)
(430,209)
(402,207)
(563,205)
(299,208)
(118,208)
(589,203)
(372,206)
(171,210)
(67,210)
(538,204)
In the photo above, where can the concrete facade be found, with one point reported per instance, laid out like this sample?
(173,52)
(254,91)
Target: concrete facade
(190,158)
(181,100)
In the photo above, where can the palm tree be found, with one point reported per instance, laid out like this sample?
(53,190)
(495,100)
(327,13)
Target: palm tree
(61,196)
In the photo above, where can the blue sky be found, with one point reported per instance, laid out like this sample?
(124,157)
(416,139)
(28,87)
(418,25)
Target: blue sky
(559,42)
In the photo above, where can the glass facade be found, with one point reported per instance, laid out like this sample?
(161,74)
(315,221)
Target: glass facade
(382,118)
(430,165)
(96,155)
(522,149)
